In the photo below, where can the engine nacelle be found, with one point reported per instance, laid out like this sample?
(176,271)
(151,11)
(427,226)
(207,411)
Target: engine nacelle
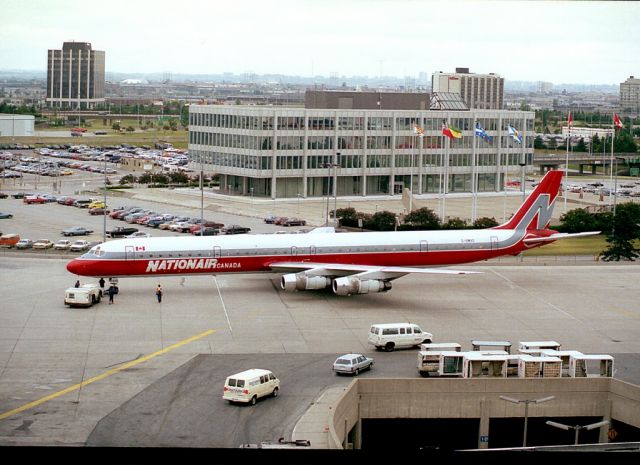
(302,282)
(348,286)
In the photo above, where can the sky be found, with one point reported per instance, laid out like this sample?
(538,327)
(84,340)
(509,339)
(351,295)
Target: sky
(582,42)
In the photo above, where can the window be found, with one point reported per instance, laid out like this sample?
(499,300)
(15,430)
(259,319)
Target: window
(389,331)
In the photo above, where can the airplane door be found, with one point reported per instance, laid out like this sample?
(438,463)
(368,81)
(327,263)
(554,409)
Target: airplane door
(494,243)
(294,251)
(312,250)
(129,253)
(424,246)
(217,252)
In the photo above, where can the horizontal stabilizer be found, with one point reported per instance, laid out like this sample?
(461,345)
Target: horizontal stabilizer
(557,236)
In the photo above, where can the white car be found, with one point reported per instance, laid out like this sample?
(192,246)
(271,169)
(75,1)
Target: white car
(62,244)
(138,234)
(352,364)
(180,226)
(79,246)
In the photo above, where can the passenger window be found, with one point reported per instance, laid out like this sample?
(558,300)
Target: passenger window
(241,383)
(232,382)
(401,330)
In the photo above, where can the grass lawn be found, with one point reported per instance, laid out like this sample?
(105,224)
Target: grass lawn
(589,245)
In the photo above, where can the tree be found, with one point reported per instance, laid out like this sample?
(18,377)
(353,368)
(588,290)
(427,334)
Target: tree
(577,220)
(347,216)
(624,232)
(538,143)
(455,223)
(580,146)
(484,223)
(552,144)
(421,219)
(382,221)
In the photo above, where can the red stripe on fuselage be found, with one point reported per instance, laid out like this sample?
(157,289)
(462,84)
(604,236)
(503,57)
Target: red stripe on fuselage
(243,264)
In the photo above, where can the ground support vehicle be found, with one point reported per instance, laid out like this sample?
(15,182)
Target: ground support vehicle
(389,336)
(250,385)
(83,296)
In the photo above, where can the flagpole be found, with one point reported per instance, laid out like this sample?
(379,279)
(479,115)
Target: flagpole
(566,165)
(613,136)
(474,186)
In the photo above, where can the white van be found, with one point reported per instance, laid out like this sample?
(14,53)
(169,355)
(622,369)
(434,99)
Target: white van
(397,335)
(248,386)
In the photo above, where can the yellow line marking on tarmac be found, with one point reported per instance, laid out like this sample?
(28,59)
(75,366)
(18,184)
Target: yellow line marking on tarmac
(105,374)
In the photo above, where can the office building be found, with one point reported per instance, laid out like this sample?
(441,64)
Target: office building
(630,95)
(280,152)
(479,91)
(75,76)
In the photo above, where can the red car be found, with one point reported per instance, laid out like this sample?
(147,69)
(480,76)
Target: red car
(70,201)
(34,199)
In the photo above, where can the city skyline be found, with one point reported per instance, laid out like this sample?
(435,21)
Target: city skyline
(559,42)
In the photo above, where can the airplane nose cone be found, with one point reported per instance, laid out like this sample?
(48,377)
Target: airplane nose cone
(75,267)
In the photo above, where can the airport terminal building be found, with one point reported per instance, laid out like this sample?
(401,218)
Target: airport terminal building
(279,152)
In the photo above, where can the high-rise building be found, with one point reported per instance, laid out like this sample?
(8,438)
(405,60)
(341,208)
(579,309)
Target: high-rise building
(479,91)
(630,94)
(75,76)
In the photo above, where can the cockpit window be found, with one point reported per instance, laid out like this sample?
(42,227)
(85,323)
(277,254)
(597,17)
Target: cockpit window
(97,251)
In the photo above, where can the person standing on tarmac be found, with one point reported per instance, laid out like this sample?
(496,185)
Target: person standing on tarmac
(159,293)
(111,291)
(101,282)
(77,284)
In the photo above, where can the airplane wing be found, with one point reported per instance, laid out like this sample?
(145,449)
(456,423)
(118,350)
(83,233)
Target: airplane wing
(555,237)
(383,273)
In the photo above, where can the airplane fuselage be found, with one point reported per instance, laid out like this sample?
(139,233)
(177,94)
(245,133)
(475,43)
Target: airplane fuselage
(258,253)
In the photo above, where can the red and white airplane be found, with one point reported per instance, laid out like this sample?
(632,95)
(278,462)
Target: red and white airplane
(349,263)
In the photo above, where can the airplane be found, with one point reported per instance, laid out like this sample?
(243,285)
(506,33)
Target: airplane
(348,263)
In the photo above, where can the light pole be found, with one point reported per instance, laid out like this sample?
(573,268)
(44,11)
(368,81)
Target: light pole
(615,195)
(104,213)
(329,166)
(577,428)
(526,403)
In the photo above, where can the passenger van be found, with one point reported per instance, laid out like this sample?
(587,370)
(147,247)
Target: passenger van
(250,385)
(389,336)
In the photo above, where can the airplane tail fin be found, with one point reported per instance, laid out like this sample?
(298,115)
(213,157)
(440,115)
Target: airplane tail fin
(535,212)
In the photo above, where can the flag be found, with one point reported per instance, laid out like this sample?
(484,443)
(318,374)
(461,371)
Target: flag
(616,121)
(480,132)
(418,130)
(513,132)
(450,132)
(569,121)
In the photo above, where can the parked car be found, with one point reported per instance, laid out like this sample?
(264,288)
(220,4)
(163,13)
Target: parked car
(82,203)
(121,232)
(207,232)
(98,211)
(33,199)
(62,244)
(294,222)
(352,364)
(9,240)
(79,246)
(77,231)
(270,219)
(181,226)
(3,195)
(42,244)
(280,220)
(69,201)
(19,195)
(24,244)
(138,234)
(5,216)
(235,229)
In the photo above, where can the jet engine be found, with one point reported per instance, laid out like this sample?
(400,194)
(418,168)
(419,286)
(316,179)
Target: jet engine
(350,285)
(302,282)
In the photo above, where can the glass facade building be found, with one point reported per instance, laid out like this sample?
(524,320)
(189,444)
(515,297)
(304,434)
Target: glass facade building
(281,152)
